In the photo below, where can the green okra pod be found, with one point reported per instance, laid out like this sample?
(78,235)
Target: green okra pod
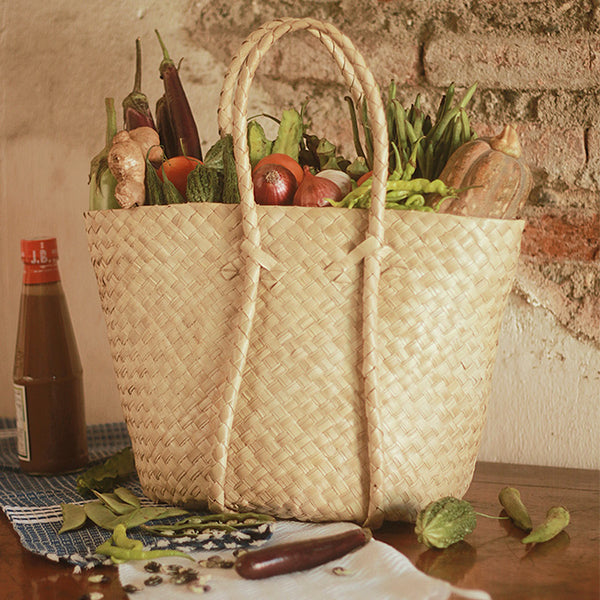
(289,134)
(258,144)
(557,518)
(510,498)
(355,131)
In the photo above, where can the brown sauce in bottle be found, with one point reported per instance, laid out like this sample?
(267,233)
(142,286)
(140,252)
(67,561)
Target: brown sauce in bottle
(47,375)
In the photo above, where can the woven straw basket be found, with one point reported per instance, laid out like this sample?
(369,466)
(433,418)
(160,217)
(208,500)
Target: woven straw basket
(311,363)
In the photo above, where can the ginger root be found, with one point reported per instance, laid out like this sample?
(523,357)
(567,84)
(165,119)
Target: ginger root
(149,142)
(126,162)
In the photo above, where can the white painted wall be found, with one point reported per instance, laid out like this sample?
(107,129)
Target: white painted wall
(58,60)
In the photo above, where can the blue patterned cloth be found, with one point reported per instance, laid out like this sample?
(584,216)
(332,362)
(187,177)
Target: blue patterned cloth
(32,505)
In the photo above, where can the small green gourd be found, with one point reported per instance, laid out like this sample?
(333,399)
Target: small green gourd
(445,522)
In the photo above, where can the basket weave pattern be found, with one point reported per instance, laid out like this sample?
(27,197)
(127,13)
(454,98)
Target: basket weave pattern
(321,364)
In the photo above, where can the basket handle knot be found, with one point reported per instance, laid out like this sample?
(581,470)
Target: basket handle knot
(256,253)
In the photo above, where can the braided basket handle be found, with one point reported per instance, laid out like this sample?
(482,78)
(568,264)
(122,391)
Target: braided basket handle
(232,119)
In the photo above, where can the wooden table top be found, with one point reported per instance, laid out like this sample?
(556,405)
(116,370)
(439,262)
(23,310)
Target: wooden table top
(492,558)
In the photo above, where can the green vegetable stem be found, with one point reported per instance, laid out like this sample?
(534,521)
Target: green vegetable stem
(557,518)
(136,111)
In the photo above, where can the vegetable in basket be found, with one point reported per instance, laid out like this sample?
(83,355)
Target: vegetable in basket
(494,179)
(101,181)
(127,163)
(176,170)
(317,191)
(136,111)
(176,115)
(273,184)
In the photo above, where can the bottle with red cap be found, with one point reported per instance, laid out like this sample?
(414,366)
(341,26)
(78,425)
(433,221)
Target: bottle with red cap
(47,374)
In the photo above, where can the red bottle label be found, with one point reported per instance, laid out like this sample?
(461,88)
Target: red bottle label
(40,258)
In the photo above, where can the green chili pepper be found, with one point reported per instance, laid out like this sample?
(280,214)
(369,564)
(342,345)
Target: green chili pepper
(120,539)
(510,498)
(398,171)
(557,518)
(120,548)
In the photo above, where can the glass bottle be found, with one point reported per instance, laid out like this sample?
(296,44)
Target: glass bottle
(47,374)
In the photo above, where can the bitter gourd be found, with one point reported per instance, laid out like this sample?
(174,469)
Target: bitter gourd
(445,522)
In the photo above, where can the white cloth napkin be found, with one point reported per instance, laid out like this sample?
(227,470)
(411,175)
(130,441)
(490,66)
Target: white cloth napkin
(377,572)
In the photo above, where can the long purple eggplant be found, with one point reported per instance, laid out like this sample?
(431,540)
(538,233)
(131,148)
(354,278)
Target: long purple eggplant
(299,556)
(180,114)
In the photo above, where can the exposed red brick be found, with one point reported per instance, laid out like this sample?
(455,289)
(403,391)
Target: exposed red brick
(558,236)
(593,148)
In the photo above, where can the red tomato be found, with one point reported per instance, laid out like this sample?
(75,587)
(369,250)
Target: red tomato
(177,169)
(285,161)
(364,177)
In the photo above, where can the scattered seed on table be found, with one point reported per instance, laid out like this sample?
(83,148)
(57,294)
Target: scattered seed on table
(342,571)
(239,551)
(185,576)
(99,578)
(199,588)
(153,580)
(130,589)
(152,567)
(172,569)
(212,562)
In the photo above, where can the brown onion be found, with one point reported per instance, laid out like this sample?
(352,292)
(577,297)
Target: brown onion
(273,184)
(316,191)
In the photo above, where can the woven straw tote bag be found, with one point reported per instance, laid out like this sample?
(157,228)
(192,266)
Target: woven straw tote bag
(311,363)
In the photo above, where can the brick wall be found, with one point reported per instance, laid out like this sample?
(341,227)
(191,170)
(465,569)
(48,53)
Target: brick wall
(537,64)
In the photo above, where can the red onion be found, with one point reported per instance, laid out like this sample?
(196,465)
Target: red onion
(273,184)
(316,191)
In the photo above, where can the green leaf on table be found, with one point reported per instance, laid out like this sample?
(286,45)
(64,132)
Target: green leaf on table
(112,501)
(100,514)
(104,477)
(127,496)
(74,517)
(148,513)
